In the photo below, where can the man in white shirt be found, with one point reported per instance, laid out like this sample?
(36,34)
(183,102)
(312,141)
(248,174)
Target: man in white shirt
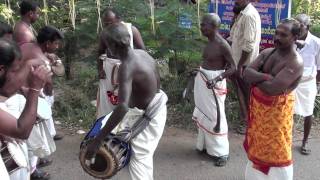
(307,90)
(245,37)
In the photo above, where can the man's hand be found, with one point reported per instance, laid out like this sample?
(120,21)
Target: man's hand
(39,76)
(239,72)
(102,74)
(52,57)
(92,148)
(212,82)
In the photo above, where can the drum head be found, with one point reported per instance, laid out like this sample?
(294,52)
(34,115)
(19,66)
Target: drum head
(17,154)
(105,165)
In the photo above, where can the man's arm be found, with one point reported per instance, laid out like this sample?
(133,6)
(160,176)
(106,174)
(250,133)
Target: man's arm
(226,51)
(252,75)
(283,80)
(137,39)
(125,89)
(250,31)
(22,34)
(101,50)
(22,127)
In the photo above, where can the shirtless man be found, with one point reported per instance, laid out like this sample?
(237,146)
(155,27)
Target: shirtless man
(18,125)
(106,63)
(217,64)
(23,31)
(273,76)
(48,41)
(139,85)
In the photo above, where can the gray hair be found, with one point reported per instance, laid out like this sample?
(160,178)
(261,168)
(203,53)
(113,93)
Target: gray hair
(212,18)
(304,19)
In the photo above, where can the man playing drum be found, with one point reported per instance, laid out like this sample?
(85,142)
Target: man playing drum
(139,85)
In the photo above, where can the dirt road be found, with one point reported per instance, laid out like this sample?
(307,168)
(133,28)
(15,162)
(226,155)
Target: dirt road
(176,159)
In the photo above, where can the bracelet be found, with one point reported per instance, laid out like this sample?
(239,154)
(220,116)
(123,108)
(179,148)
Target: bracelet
(33,89)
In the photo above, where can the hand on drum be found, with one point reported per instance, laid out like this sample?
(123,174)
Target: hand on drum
(92,149)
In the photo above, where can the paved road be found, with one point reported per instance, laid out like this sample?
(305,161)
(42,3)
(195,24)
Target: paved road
(176,159)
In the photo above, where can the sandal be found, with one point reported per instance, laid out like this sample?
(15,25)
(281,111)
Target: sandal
(39,175)
(43,162)
(221,161)
(305,150)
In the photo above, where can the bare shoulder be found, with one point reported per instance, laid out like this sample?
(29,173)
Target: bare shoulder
(143,54)
(267,51)
(134,29)
(295,65)
(298,59)
(224,45)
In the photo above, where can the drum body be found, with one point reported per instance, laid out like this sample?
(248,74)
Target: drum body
(112,156)
(13,156)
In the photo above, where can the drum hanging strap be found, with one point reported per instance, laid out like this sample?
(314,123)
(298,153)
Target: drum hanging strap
(142,122)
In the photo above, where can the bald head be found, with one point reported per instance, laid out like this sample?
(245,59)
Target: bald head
(117,39)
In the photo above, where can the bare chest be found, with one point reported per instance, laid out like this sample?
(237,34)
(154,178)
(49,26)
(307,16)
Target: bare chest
(212,52)
(275,64)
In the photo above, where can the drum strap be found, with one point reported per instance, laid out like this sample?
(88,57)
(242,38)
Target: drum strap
(151,111)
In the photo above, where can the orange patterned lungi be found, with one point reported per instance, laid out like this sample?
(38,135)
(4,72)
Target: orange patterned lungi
(269,134)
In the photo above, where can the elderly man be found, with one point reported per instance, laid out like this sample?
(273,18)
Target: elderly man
(245,39)
(17,115)
(139,96)
(273,76)
(307,89)
(108,65)
(216,57)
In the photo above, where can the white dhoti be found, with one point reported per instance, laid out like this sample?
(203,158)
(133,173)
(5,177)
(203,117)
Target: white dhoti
(205,115)
(50,123)
(146,142)
(110,67)
(40,141)
(18,148)
(305,97)
(275,173)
